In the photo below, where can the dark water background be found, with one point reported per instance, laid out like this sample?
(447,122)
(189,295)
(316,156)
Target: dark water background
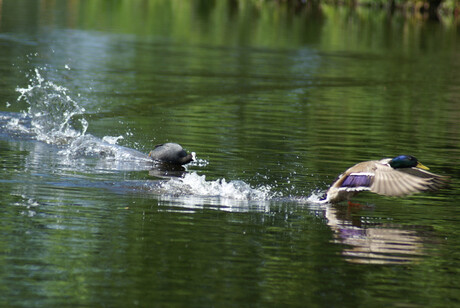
(275,103)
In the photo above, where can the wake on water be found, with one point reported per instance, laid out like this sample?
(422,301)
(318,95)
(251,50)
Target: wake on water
(55,118)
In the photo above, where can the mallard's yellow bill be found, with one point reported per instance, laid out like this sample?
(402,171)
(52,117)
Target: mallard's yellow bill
(421,166)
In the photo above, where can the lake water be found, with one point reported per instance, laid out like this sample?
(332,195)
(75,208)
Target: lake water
(275,102)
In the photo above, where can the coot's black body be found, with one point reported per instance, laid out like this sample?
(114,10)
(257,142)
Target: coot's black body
(171,153)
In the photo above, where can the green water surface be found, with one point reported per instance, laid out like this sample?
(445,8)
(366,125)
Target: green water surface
(277,98)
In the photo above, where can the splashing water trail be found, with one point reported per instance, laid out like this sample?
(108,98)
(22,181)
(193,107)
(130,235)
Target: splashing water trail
(51,111)
(316,197)
(52,114)
(194,184)
(112,140)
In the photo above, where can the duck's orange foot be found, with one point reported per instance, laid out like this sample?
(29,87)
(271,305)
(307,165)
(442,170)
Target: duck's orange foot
(354,204)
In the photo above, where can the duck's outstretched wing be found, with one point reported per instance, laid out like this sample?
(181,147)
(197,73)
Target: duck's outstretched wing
(354,180)
(399,182)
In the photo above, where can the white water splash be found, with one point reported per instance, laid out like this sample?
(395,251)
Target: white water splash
(199,162)
(316,197)
(14,124)
(51,117)
(112,140)
(51,111)
(91,146)
(194,184)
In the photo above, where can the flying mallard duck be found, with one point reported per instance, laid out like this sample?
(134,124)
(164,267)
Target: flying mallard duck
(397,176)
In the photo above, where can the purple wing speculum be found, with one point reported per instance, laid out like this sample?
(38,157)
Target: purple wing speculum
(358,180)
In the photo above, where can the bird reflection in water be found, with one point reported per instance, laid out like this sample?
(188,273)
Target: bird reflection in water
(373,243)
(167,170)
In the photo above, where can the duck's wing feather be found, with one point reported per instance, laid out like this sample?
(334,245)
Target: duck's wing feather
(352,181)
(398,182)
(360,175)
(379,177)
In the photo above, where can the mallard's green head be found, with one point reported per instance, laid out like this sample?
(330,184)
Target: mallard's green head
(406,161)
